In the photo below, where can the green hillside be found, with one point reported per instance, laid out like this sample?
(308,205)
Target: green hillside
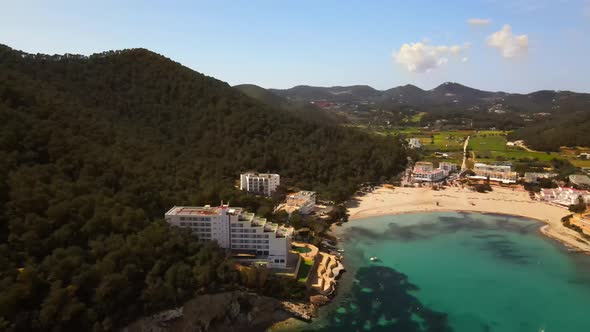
(93,151)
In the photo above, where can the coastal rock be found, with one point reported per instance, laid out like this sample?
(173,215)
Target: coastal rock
(230,311)
(319,300)
(302,311)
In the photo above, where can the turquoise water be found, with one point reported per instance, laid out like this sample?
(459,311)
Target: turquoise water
(462,272)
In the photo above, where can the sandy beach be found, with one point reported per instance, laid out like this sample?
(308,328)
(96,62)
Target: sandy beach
(386,201)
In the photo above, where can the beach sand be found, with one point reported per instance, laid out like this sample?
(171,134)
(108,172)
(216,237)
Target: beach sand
(386,201)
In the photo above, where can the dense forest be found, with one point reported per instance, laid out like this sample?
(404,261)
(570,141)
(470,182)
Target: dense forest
(550,134)
(93,151)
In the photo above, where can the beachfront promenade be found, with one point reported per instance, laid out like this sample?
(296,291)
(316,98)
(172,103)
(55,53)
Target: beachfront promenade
(384,201)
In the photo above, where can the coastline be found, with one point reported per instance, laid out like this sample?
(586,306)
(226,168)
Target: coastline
(503,201)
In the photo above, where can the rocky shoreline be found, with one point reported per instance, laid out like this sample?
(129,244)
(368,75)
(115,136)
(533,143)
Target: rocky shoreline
(235,311)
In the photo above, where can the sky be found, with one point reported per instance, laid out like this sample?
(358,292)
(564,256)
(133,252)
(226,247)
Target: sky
(497,45)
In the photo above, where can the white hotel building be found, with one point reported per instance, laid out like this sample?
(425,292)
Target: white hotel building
(244,233)
(500,173)
(259,183)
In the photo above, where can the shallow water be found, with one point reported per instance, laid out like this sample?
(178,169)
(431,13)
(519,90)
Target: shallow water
(463,272)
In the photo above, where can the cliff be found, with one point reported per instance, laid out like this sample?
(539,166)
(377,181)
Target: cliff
(230,311)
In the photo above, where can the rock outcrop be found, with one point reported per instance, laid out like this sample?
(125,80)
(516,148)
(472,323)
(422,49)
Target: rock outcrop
(230,311)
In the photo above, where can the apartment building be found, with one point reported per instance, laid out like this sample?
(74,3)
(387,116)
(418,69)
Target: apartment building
(499,173)
(259,183)
(232,228)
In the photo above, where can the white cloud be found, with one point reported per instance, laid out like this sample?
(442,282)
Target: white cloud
(509,45)
(464,59)
(479,21)
(421,57)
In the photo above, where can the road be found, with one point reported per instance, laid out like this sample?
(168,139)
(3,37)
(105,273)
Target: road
(464,165)
(520,144)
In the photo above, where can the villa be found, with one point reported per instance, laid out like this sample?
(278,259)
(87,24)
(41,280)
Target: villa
(414,143)
(499,173)
(259,183)
(250,238)
(303,201)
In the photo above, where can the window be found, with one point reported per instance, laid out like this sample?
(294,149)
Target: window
(282,260)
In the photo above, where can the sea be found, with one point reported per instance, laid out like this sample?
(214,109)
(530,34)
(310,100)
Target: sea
(462,272)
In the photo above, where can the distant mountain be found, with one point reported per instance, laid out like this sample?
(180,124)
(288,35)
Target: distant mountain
(448,93)
(336,93)
(302,109)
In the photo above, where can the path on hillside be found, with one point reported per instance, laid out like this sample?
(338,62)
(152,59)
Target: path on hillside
(464,164)
(523,146)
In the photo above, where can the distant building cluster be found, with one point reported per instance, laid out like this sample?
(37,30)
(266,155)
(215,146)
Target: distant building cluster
(248,236)
(259,183)
(498,173)
(425,172)
(563,196)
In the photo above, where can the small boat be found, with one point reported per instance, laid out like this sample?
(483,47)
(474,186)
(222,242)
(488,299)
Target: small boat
(374,259)
(340,250)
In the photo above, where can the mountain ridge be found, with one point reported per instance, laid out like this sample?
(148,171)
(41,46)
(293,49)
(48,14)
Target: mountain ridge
(448,93)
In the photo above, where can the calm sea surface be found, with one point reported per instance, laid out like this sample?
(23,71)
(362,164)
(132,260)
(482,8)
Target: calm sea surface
(463,272)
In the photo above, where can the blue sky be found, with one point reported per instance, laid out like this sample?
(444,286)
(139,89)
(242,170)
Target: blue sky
(280,44)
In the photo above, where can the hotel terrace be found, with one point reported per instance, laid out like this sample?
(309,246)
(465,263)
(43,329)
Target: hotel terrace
(248,236)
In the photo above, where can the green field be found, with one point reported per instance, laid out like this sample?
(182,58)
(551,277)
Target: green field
(485,146)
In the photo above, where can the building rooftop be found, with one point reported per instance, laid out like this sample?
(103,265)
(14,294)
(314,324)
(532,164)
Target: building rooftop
(580,179)
(202,210)
(260,174)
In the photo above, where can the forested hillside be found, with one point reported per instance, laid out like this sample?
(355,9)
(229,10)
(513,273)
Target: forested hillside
(93,151)
(550,134)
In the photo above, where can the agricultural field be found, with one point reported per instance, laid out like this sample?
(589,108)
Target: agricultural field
(491,147)
(485,146)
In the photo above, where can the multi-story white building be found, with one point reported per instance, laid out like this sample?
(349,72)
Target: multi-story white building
(232,228)
(498,173)
(425,172)
(259,183)
(304,201)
